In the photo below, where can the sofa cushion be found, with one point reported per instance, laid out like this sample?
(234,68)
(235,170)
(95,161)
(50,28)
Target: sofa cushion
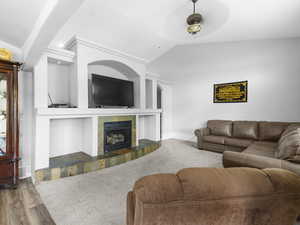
(220,127)
(216,183)
(271,131)
(236,159)
(262,148)
(289,146)
(238,142)
(214,139)
(245,129)
(290,128)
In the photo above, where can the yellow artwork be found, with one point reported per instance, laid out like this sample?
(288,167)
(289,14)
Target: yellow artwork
(231,92)
(5,54)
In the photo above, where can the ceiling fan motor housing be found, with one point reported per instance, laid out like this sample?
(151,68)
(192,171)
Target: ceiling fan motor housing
(195,18)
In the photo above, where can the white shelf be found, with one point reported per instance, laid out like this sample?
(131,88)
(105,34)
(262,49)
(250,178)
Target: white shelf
(76,112)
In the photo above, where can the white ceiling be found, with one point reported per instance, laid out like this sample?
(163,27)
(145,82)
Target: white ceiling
(17,19)
(148,29)
(185,62)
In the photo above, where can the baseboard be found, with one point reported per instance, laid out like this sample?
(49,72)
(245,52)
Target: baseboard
(25,172)
(168,136)
(184,136)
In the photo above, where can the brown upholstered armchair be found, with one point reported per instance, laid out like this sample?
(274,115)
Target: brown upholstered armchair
(216,196)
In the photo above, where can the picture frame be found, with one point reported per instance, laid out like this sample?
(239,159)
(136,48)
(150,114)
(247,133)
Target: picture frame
(235,92)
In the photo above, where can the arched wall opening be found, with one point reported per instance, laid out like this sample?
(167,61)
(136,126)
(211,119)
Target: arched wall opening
(115,69)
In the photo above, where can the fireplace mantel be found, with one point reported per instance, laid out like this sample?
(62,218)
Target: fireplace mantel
(76,112)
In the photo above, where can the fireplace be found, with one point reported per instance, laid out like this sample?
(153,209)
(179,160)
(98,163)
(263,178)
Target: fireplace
(117,135)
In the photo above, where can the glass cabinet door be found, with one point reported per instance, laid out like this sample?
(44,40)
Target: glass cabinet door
(3,113)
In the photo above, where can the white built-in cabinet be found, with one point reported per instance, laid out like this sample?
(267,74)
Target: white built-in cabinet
(63,76)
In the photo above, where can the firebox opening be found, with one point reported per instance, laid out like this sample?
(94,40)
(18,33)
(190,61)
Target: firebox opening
(117,135)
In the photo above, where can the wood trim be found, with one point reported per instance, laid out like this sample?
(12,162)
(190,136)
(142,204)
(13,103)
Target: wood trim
(9,64)
(9,166)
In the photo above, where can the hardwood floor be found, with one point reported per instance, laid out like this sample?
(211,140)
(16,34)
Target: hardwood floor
(23,206)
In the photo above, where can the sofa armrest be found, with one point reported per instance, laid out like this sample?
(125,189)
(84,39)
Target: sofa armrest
(236,159)
(202,132)
(199,134)
(159,188)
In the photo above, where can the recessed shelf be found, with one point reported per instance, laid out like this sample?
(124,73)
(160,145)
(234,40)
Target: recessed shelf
(59,86)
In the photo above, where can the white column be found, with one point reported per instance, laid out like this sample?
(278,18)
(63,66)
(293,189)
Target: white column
(95,136)
(157,127)
(81,77)
(137,129)
(154,94)
(41,83)
(42,142)
(82,85)
(142,92)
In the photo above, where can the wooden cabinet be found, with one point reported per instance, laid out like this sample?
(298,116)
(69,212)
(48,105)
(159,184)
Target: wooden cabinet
(9,124)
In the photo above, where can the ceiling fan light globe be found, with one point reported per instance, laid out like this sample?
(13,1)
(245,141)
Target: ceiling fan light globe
(194,28)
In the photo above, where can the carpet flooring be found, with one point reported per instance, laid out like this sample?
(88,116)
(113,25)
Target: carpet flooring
(100,197)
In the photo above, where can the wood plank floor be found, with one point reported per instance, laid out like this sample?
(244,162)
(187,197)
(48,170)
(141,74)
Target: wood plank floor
(23,206)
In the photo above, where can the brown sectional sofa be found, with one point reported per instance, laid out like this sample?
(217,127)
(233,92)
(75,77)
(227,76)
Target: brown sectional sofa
(202,196)
(246,143)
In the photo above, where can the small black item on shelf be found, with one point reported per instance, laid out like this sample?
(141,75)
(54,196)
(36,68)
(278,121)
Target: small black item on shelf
(57,105)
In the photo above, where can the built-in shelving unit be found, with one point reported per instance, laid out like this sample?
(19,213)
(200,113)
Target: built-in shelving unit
(64,76)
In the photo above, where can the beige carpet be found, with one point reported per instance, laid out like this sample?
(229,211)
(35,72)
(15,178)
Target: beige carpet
(99,198)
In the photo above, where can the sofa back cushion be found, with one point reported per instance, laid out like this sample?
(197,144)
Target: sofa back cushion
(220,127)
(245,129)
(289,146)
(217,183)
(291,127)
(271,131)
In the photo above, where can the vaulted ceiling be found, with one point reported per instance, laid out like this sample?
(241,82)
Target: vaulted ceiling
(148,29)
(17,19)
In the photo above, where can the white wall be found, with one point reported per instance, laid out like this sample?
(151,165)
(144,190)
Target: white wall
(105,71)
(167,110)
(271,67)
(149,94)
(26,122)
(59,83)
(149,127)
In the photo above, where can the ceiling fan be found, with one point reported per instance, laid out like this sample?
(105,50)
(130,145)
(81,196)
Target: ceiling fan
(194,21)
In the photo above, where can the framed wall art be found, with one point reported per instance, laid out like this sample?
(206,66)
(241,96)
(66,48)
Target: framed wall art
(236,92)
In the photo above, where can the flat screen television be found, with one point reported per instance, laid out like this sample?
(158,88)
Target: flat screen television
(107,91)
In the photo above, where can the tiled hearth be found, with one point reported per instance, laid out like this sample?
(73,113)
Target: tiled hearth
(79,163)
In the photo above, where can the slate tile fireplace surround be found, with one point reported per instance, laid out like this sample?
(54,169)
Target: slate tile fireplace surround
(116,132)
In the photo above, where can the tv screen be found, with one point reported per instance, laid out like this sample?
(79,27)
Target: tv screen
(107,91)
